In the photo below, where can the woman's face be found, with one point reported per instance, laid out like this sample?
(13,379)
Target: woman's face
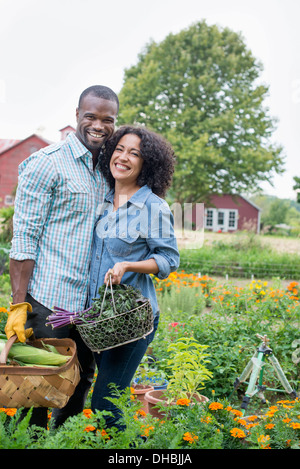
(126,161)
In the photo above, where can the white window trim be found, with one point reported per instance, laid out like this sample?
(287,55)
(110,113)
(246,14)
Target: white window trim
(225,226)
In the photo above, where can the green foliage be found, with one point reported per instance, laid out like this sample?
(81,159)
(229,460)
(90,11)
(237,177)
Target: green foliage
(199,89)
(243,255)
(6,226)
(187,364)
(16,433)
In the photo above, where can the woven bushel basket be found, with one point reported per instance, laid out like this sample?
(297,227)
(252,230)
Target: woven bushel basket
(40,386)
(104,334)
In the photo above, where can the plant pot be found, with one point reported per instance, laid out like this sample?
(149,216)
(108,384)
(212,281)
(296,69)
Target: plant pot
(152,382)
(157,397)
(140,390)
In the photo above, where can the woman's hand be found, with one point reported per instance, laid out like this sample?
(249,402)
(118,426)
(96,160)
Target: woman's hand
(116,273)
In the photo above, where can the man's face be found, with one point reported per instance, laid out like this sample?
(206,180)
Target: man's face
(96,119)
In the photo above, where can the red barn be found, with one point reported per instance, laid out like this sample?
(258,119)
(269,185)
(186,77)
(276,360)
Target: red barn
(12,153)
(229,213)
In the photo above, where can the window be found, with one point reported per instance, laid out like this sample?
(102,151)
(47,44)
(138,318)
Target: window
(220,218)
(209,218)
(232,219)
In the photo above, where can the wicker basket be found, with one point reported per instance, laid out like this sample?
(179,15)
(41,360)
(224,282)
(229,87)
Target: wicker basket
(108,333)
(39,386)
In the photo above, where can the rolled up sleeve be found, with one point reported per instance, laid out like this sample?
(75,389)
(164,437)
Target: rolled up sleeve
(32,203)
(162,242)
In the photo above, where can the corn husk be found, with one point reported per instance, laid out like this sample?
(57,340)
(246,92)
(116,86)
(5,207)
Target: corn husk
(25,354)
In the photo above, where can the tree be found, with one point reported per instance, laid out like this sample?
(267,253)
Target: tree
(199,89)
(296,187)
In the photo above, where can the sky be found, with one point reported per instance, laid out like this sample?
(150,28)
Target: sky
(50,51)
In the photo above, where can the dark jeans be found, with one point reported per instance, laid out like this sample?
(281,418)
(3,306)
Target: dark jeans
(75,405)
(118,366)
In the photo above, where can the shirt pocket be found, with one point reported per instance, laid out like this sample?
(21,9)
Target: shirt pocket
(121,247)
(78,196)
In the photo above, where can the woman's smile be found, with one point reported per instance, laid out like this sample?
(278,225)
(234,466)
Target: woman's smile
(126,161)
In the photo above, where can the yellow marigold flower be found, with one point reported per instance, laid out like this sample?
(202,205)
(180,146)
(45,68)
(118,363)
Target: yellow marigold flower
(237,433)
(183,402)
(215,406)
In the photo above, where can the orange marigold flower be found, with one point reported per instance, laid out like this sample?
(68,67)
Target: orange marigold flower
(215,406)
(190,437)
(89,428)
(287,420)
(269,426)
(147,430)
(8,410)
(3,310)
(183,401)
(295,425)
(87,413)
(237,433)
(236,412)
(263,440)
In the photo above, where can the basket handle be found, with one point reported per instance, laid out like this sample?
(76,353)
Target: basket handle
(112,296)
(6,349)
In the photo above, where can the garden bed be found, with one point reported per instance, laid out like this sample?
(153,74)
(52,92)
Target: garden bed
(226,318)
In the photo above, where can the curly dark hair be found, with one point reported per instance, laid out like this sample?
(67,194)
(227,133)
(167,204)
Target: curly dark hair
(157,153)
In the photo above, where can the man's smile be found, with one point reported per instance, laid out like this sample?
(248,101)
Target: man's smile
(96,134)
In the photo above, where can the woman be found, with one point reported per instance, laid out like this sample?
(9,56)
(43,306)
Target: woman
(133,238)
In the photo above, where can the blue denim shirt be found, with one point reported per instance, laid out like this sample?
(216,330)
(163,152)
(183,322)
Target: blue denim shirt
(140,229)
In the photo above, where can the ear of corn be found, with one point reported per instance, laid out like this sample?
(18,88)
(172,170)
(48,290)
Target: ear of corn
(28,355)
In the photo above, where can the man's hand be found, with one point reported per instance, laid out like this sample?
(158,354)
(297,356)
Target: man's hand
(17,317)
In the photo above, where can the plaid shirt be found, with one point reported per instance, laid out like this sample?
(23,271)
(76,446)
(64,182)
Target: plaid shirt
(55,213)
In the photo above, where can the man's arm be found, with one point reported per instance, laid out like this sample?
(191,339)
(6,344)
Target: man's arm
(20,273)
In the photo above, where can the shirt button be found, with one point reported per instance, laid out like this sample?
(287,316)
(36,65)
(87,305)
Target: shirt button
(123,234)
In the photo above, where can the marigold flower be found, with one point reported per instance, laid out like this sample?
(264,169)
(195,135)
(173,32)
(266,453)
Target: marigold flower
(147,430)
(237,433)
(183,401)
(3,310)
(263,440)
(89,428)
(295,425)
(87,413)
(236,412)
(8,410)
(191,438)
(269,426)
(287,420)
(215,406)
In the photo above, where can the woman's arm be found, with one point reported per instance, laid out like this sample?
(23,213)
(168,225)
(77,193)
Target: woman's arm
(148,266)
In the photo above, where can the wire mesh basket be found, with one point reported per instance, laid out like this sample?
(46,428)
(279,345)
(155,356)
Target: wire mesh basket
(108,333)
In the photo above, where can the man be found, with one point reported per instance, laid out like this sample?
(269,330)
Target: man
(59,189)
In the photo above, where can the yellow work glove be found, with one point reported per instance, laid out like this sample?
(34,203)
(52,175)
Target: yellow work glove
(17,317)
